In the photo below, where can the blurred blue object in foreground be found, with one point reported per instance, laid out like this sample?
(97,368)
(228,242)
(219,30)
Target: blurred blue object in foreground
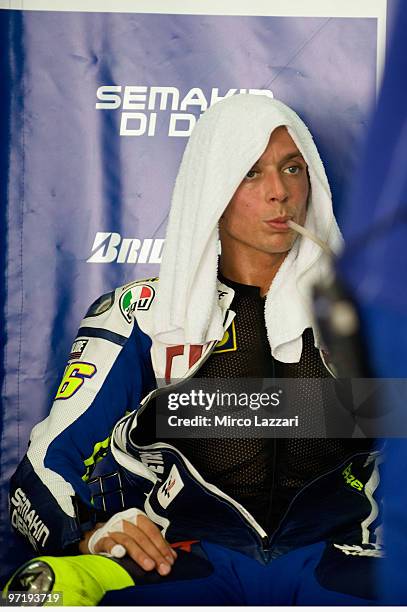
(374,270)
(374,222)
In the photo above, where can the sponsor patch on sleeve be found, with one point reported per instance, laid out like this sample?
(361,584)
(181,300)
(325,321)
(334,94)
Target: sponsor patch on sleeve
(77,349)
(138,297)
(25,518)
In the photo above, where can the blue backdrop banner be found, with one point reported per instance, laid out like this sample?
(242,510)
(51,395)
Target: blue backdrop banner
(96,109)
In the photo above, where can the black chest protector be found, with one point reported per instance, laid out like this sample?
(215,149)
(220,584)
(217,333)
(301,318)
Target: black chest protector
(264,474)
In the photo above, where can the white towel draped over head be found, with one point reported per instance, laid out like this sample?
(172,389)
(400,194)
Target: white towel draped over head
(226,142)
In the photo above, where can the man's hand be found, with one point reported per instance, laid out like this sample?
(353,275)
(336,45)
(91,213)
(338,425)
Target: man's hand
(142,541)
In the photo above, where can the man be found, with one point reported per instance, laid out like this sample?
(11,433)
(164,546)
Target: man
(250,520)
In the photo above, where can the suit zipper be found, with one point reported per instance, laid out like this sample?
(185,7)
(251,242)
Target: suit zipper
(260,533)
(275,533)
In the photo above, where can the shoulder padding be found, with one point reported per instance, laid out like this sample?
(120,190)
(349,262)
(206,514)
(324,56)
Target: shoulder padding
(116,311)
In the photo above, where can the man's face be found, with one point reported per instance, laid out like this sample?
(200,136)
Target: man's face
(274,190)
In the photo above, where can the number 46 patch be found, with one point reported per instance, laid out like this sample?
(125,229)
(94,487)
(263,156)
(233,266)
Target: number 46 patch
(74,377)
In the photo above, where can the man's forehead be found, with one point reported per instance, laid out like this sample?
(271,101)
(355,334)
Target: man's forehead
(281,146)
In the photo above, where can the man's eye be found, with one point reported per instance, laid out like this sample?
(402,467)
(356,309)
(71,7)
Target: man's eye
(251,174)
(292,170)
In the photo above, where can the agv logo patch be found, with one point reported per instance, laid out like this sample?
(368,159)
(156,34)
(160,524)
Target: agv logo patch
(138,297)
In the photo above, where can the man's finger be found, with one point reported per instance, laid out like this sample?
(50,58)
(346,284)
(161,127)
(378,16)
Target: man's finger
(139,555)
(155,547)
(107,545)
(155,535)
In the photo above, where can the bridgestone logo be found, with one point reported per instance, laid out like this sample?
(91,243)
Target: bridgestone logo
(26,520)
(109,247)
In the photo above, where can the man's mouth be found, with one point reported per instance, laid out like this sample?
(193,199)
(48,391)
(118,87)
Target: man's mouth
(279,223)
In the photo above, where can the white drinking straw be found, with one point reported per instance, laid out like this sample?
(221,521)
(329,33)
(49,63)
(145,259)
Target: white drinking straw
(308,234)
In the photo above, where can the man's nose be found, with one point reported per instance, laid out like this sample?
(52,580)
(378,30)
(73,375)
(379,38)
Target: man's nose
(275,189)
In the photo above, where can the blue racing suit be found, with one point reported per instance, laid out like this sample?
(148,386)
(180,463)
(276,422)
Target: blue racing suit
(113,374)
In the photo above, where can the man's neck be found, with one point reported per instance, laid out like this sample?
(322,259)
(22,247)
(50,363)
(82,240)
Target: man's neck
(258,271)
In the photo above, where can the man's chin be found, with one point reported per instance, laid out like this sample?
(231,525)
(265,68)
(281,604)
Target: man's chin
(284,247)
